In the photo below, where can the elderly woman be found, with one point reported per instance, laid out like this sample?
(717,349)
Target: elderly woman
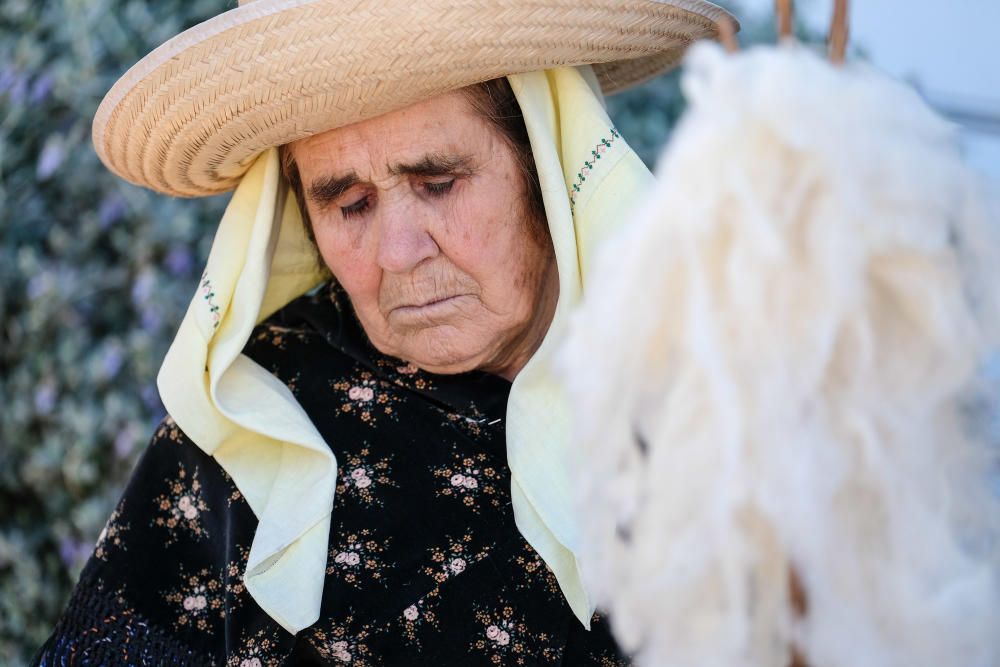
(366,456)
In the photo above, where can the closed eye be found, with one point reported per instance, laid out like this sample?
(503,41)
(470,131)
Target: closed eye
(437,189)
(357,208)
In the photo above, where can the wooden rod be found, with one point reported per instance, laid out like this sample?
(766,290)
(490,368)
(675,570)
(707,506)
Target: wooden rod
(837,42)
(800,607)
(785,19)
(727,34)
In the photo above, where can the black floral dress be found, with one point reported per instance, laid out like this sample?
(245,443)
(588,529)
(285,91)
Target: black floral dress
(425,564)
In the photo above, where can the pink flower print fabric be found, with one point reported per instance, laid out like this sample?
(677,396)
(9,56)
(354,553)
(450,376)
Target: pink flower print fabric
(359,558)
(258,649)
(364,396)
(112,536)
(425,565)
(471,480)
(508,639)
(453,556)
(179,510)
(363,479)
(534,574)
(420,620)
(200,598)
(405,374)
(339,643)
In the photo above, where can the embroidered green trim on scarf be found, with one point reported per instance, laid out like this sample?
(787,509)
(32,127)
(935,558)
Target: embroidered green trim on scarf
(588,165)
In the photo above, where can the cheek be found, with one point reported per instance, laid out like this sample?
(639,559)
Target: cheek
(347,257)
(483,231)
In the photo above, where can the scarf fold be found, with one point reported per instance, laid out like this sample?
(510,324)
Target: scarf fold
(249,421)
(589,179)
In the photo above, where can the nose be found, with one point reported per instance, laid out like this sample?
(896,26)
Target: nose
(404,236)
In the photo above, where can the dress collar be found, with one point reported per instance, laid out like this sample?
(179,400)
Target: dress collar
(476,396)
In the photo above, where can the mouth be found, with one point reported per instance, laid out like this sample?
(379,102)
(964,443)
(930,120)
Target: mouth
(428,311)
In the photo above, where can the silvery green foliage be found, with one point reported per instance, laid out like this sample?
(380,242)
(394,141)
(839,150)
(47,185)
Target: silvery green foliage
(94,276)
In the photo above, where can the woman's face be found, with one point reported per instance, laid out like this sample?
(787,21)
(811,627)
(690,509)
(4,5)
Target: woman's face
(421,215)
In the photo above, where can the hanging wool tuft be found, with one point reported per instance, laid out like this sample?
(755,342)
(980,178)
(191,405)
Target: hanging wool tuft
(781,382)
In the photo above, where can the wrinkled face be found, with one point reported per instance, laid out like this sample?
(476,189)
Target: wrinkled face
(421,216)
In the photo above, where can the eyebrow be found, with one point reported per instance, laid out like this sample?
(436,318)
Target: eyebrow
(327,189)
(435,164)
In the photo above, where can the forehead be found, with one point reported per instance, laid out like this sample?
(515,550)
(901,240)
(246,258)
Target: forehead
(442,124)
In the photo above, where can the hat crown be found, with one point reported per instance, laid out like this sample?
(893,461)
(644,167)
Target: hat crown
(190,117)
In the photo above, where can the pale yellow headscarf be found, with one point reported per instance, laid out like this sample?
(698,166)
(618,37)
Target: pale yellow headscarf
(250,422)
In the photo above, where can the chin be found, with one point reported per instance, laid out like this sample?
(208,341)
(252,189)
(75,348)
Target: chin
(439,354)
(443,365)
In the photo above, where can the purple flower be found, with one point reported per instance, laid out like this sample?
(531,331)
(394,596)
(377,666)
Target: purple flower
(142,288)
(45,399)
(151,320)
(38,285)
(41,88)
(179,261)
(8,76)
(51,157)
(112,209)
(18,88)
(124,442)
(67,552)
(72,551)
(111,360)
(151,398)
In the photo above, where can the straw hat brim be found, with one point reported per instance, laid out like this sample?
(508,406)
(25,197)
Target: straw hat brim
(189,118)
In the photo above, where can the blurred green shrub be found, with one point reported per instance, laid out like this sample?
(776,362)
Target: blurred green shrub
(95,275)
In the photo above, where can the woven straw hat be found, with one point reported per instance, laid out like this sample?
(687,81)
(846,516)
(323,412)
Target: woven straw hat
(189,118)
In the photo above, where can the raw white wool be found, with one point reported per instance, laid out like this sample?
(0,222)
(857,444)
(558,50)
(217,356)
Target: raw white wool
(775,366)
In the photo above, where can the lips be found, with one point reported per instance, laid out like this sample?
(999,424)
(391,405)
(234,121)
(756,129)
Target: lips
(427,312)
(434,301)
